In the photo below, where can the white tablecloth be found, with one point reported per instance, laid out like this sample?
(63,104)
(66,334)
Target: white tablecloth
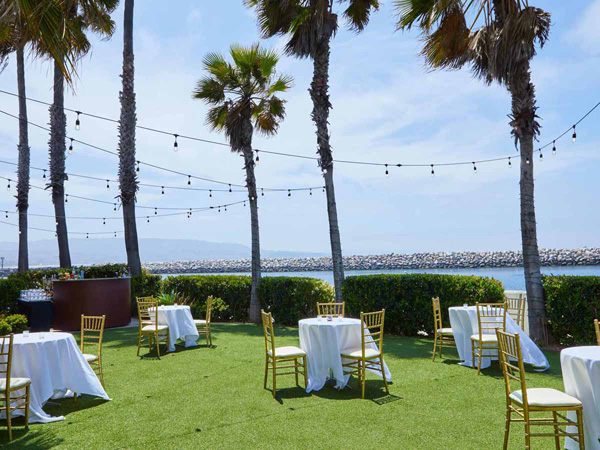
(56,369)
(181,324)
(323,342)
(464,324)
(581,376)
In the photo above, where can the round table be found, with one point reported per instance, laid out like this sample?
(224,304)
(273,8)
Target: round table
(463,321)
(181,324)
(581,377)
(323,341)
(56,368)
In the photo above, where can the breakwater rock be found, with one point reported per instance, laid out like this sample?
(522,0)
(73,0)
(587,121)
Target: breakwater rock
(441,260)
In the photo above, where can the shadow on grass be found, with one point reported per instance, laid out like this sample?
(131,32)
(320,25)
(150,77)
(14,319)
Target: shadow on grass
(35,438)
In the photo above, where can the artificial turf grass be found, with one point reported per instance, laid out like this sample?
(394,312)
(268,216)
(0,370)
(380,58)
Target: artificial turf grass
(214,398)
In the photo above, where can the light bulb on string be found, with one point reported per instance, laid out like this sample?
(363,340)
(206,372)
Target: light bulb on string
(155,211)
(115,207)
(474,167)
(77,122)
(262,192)
(87,235)
(509,163)
(7,214)
(541,156)
(175,144)
(103,221)
(44,176)
(323,189)
(189,180)
(66,198)
(257,157)
(8,186)
(310,191)
(107,185)
(55,235)
(225,208)
(527,160)
(162,190)
(115,234)
(71,147)
(432,171)
(574,134)
(219,209)
(230,188)
(244,203)
(137,169)
(210,193)
(289,193)
(554,147)
(148,219)
(190,213)
(387,173)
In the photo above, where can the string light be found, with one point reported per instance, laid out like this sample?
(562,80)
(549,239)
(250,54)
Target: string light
(509,163)
(310,191)
(87,235)
(7,214)
(155,211)
(289,193)
(189,180)
(175,144)
(262,192)
(71,147)
(527,160)
(574,134)
(230,188)
(474,167)
(554,147)
(541,156)
(115,234)
(244,204)
(103,221)
(387,173)
(115,207)
(77,122)
(163,190)
(432,171)
(44,176)
(107,185)
(137,169)
(8,186)
(66,198)
(257,157)
(148,219)
(210,193)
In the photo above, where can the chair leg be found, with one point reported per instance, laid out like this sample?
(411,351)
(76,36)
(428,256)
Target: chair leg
(139,343)
(507,427)
(305,374)
(266,371)
(441,345)
(580,429)
(296,370)
(527,434)
(363,378)
(556,431)
(27,396)
(479,357)
(100,370)
(434,347)
(473,353)
(8,418)
(210,336)
(274,375)
(157,345)
(383,374)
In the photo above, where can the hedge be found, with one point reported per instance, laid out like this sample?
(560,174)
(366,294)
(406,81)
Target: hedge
(407,297)
(10,290)
(572,303)
(288,298)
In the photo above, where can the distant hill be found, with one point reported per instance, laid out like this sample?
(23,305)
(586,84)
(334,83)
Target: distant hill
(100,251)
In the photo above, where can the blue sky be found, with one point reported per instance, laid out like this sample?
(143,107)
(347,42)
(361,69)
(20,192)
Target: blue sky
(387,108)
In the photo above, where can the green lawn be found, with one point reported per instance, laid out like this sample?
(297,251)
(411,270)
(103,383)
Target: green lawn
(214,398)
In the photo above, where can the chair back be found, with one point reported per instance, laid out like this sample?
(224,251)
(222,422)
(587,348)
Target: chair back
(209,302)
(331,309)
(92,330)
(490,317)
(437,313)
(6,348)
(147,311)
(515,307)
(371,329)
(267,320)
(511,362)
(597,327)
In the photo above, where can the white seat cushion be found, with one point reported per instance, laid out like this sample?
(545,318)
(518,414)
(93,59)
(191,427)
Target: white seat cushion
(485,337)
(199,322)
(285,352)
(90,358)
(15,383)
(147,322)
(445,331)
(154,327)
(356,352)
(545,397)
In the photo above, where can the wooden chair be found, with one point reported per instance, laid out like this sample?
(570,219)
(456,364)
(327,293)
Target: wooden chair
(490,316)
(9,385)
(146,299)
(597,327)
(276,355)
(525,401)
(149,327)
(442,335)
(92,330)
(515,307)
(331,309)
(203,326)
(363,357)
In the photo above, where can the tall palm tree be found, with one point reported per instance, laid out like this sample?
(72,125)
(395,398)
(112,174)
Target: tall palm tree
(84,15)
(128,182)
(497,39)
(243,98)
(311,24)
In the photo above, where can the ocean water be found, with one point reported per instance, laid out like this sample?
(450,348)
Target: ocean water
(510,277)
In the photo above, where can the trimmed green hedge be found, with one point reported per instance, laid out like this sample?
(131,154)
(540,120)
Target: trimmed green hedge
(288,298)
(572,303)
(407,297)
(10,290)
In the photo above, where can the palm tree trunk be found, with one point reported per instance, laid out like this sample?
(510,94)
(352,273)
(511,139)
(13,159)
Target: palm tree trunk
(58,132)
(23,167)
(127,176)
(319,92)
(254,312)
(523,110)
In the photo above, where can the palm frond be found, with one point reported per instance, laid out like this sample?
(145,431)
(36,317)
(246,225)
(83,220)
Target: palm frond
(359,12)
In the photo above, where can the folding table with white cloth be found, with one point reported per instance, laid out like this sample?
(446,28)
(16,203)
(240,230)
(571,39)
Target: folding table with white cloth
(56,368)
(581,377)
(181,324)
(463,321)
(323,342)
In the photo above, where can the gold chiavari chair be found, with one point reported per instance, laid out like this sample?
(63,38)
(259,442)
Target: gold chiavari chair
(363,357)
(490,316)
(442,335)
(278,355)
(515,307)
(149,327)
(203,326)
(9,385)
(523,401)
(92,331)
(597,327)
(331,309)
(146,299)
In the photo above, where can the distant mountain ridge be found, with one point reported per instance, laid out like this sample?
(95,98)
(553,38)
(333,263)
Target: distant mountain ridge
(101,251)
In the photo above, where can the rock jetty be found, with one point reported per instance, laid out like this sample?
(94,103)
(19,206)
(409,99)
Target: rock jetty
(442,260)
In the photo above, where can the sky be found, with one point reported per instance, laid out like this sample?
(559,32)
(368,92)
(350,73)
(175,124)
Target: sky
(386,108)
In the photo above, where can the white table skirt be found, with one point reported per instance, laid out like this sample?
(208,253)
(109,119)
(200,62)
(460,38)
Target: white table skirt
(581,376)
(56,369)
(181,324)
(323,342)
(464,324)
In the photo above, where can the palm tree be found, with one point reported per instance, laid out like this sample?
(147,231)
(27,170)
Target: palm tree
(500,50)
(128,182)
(243,98)
(84,15)
(311,24)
